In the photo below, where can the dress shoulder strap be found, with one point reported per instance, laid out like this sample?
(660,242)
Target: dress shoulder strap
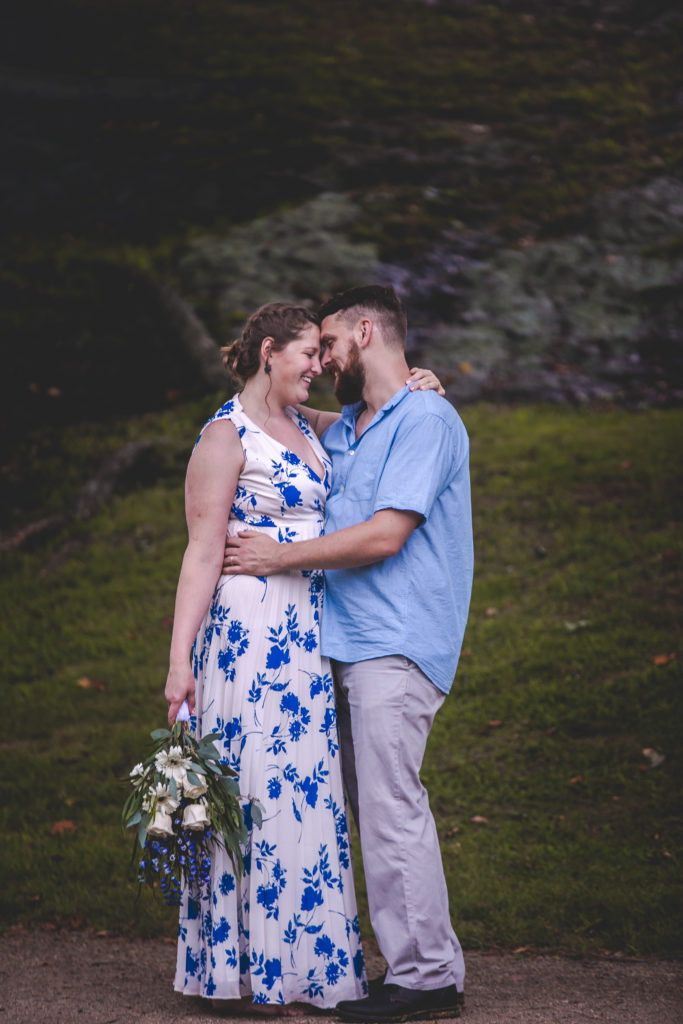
(230,410)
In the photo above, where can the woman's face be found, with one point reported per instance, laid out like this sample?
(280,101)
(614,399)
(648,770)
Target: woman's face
(294,367)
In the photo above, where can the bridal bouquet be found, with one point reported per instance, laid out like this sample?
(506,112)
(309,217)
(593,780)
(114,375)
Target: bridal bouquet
(184,800)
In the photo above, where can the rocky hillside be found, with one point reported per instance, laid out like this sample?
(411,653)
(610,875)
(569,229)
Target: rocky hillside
(512,167)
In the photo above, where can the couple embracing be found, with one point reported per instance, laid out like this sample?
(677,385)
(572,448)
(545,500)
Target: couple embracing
(379,499)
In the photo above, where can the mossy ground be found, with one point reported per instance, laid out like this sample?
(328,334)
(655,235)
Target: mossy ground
(556,697)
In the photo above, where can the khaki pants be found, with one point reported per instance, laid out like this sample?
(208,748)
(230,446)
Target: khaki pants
(385,710)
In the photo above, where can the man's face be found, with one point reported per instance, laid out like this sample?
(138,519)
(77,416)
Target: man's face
(341,357)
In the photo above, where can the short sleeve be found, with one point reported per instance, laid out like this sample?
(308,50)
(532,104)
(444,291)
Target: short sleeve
(425,455)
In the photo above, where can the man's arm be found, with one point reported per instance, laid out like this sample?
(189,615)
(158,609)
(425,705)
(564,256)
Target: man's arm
(253,554)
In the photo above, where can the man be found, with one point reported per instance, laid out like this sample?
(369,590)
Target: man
(398,559)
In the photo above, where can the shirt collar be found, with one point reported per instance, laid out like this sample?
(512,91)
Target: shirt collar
(350,413)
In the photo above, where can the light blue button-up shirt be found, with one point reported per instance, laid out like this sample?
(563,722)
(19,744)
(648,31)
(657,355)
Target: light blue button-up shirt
(413,456)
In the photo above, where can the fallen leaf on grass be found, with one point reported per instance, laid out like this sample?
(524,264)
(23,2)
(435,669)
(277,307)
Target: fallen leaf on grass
(663,659)
(60,828)
(490,612)
(478,819)
(494,723)
(572,627)
(576,780)
(90,684)
(520,949)
(653,756)
(451,832)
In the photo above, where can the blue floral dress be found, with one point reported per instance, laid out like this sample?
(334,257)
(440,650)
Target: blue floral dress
(288,931)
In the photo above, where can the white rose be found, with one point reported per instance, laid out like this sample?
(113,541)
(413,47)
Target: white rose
(162,825)
(193,791)
(195,817)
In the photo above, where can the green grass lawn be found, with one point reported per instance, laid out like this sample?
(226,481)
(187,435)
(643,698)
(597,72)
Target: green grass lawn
(561,688)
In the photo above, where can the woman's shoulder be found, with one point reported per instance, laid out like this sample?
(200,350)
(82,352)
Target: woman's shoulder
(230,411)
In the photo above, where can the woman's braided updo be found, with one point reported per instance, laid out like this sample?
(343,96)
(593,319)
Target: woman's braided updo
(277,320)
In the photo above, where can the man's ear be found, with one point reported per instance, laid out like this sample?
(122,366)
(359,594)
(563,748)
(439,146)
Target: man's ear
(364,330)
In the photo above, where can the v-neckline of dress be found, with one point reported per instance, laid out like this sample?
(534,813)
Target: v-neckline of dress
(284,447)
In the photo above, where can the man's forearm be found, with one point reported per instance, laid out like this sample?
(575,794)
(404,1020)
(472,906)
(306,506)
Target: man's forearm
(372,541)
(343,549)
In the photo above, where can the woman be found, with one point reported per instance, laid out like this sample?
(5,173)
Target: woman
(245,654)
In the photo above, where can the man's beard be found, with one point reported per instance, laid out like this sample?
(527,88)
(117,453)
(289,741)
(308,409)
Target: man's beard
(349,382)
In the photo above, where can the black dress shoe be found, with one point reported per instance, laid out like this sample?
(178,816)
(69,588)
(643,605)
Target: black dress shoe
(394,1003)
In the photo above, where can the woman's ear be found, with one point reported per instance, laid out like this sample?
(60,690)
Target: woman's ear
(266,349)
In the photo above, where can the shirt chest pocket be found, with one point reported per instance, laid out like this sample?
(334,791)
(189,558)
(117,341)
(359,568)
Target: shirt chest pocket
(360,485)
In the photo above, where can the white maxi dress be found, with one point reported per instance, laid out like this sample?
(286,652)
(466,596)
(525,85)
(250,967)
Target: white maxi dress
(288,931)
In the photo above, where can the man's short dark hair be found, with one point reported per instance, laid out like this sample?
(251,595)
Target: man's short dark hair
(374,299)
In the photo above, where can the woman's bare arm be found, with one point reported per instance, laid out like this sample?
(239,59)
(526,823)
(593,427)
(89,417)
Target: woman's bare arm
(211,482)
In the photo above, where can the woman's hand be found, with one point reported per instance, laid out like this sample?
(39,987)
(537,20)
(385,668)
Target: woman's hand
(180,686)
(424,380)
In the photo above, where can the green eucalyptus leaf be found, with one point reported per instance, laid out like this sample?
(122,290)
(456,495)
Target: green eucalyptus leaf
(231,786)
(142,832)
(257,810)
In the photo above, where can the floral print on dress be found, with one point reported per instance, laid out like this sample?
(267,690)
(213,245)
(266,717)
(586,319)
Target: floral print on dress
(288,930)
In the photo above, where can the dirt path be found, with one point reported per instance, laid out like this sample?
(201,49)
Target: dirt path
(67,977)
